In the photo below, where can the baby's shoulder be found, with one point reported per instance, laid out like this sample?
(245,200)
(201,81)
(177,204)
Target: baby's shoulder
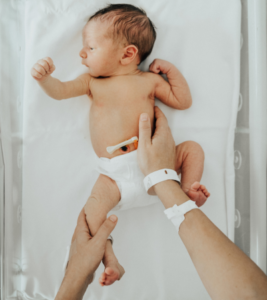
(148,74)
(151,77)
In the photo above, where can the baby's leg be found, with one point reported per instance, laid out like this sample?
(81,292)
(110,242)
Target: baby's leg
(190,163)
(105,195)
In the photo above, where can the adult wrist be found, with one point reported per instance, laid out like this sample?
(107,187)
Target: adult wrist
(74,272)
(156,168)
(73,287)
(158,176)
(170,193)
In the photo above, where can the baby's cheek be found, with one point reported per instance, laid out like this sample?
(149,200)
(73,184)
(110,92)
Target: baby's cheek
(108,63)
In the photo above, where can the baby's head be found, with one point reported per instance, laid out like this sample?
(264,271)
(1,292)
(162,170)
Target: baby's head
(115,37)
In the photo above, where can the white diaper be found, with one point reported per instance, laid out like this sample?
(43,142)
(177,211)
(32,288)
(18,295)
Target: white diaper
(125,171)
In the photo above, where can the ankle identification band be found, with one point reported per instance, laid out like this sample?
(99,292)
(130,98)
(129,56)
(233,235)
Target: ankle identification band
(176,213)
(158,176)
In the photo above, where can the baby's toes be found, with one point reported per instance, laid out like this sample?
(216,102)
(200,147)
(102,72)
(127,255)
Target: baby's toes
(111,276)
(202,187)
(204,191)
(102,279)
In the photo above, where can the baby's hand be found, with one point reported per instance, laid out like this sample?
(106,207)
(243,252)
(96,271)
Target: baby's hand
(160,66)
(42,69)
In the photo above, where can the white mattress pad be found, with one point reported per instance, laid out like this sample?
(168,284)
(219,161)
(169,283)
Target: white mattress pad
(202,39)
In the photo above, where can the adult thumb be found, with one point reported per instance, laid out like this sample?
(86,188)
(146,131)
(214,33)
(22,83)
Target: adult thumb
(144,129)
(106,228)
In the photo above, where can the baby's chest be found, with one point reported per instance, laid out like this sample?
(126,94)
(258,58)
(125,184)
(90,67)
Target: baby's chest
(121,97)
(123,107)
(119,107)
(121,91)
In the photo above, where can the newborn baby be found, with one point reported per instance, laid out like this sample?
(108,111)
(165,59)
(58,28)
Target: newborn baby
(116,40)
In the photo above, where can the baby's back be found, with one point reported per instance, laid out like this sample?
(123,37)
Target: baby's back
(117,104)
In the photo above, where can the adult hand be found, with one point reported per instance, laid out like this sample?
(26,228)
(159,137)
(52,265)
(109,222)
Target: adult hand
(159,151)
(86,252)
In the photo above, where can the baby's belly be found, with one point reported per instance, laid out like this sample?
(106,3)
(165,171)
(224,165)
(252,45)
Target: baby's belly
(111,126)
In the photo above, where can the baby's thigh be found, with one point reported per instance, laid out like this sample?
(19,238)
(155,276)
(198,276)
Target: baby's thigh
(188,151)
(105,193)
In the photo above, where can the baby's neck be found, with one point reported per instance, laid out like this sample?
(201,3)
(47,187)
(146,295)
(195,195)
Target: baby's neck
(127,70)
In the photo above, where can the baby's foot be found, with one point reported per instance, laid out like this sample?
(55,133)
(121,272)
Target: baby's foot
(198,193)
(113,271)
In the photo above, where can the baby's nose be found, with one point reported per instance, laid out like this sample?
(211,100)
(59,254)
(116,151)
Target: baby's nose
(82,54)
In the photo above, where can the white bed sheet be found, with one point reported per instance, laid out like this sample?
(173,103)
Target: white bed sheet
(202,38)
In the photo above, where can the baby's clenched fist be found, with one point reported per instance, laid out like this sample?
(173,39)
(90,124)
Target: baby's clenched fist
(42,69)
(160,66)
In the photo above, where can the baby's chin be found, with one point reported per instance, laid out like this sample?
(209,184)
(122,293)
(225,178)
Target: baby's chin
(96,75)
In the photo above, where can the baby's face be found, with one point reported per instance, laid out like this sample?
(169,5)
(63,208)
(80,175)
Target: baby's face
(99,53)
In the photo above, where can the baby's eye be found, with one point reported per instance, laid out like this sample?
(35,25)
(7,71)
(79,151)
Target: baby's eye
(91,48)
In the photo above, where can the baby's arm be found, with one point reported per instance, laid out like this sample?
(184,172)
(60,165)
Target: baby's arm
(174,93)
(55,88)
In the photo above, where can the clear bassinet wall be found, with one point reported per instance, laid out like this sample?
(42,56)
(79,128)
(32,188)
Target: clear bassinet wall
(249,146)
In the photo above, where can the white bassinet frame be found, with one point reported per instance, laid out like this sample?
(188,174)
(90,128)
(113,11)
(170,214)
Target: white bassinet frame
(257,129)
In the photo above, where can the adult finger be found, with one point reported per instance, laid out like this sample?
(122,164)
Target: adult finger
(161,123)
(106,228)
(144,129)
(161,120)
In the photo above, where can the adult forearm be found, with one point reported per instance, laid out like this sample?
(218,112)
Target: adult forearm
(226,272)
(52,87)
(73,287)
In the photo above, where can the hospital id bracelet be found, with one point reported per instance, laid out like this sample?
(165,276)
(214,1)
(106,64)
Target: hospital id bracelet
(158,176)
(176,213)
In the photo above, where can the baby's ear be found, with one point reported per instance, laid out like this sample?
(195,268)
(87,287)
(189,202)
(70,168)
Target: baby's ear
(129,54)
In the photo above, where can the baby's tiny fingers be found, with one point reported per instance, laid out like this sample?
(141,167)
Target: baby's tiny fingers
(51,64)
(44,64)
(35,74)
(52,69)
(155,69)
(39,68)
(152,65)
(49,61)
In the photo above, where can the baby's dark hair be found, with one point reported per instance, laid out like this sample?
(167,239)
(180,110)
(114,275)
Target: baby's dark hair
(130,23)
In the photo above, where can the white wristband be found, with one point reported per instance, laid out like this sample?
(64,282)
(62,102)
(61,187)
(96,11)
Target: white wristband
(176,213)
(158,176)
